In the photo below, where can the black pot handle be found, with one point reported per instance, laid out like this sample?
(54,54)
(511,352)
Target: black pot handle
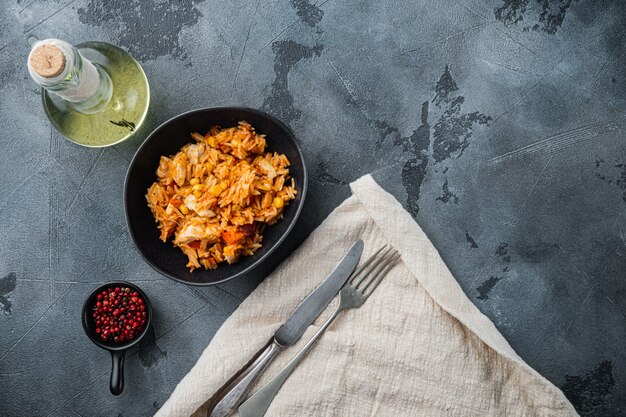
(117,372)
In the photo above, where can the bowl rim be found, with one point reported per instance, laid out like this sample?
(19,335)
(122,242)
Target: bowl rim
(257,262)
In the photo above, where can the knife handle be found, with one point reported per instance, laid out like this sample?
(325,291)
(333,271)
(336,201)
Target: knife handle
(226,400)
(260,401)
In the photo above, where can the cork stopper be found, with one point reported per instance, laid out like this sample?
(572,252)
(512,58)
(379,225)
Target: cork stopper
(47,60)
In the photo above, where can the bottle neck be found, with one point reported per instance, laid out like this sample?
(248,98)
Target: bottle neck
(60,68)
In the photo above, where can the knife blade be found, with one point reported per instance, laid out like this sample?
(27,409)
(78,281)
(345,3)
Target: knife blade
(318,300)
(226,400)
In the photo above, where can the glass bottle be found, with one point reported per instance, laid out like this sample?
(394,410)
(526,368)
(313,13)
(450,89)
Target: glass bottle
(95,94)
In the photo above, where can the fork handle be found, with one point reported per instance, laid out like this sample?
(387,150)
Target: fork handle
(259,402)
(232,393)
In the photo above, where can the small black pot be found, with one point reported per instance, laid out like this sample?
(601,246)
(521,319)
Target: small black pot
(117,350)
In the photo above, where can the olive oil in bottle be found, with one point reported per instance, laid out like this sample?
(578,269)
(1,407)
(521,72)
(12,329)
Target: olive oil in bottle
(95,94)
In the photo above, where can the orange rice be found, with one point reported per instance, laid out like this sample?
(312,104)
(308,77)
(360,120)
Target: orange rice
(215,196)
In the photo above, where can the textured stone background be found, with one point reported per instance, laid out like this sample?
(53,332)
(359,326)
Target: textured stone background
(498,124)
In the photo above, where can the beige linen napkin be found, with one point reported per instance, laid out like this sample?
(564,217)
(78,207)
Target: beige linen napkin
(417,347)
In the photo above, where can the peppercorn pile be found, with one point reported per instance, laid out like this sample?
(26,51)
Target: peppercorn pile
(119,314)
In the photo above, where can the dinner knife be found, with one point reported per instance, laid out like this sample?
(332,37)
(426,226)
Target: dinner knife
(226,400)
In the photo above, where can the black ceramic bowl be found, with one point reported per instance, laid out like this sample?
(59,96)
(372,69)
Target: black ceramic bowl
(117,350)
(167,139)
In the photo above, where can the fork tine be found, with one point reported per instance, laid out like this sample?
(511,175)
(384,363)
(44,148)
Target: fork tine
(380,274)
(369,260)
(375,267)
(371,263)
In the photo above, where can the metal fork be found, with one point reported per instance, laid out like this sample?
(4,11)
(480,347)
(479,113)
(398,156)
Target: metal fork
(358,288)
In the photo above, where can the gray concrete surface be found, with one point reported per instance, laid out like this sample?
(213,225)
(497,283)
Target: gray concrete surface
(498,124)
